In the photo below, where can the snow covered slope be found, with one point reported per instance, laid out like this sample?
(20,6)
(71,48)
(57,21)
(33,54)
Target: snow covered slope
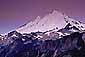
(53,21)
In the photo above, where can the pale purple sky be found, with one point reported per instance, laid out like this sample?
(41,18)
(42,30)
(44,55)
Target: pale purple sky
(14,13)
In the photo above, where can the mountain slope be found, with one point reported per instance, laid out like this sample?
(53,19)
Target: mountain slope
(47,23)
(53,21)
(55,35)
(68,46)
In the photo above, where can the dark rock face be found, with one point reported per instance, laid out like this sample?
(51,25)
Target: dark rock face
(69,46)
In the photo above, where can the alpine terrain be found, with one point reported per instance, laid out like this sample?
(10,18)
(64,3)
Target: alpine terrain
(54,35)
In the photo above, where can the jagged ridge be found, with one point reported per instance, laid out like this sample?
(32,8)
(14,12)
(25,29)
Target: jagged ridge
(55,35)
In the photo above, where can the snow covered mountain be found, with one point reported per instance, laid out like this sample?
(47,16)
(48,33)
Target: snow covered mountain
(52,26)
(55,21)
(55,35)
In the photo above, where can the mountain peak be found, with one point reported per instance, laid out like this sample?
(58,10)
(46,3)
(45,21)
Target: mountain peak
(49,22)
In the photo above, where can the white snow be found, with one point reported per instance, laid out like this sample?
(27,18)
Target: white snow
(23,39)
(70,20)
(50,22)
(14,35)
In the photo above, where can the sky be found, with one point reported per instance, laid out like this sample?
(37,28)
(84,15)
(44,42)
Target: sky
(14,13)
